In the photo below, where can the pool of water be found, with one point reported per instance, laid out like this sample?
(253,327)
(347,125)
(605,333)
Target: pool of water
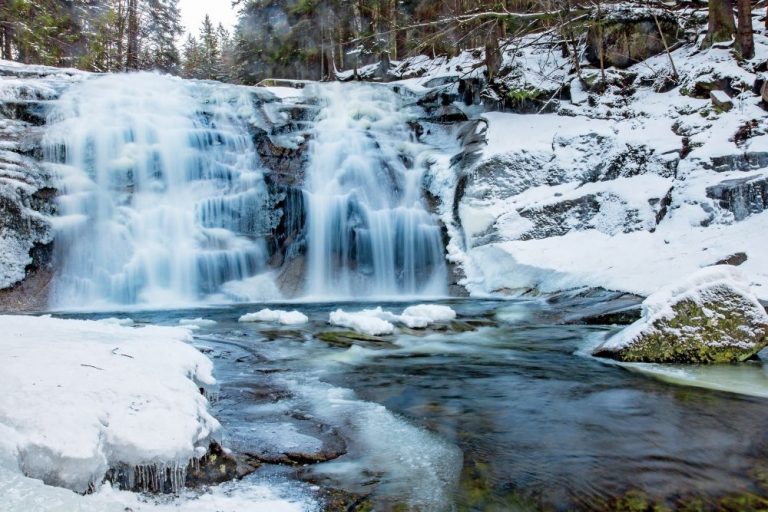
(506,410)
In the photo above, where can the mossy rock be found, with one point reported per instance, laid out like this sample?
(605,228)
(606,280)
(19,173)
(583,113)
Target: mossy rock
(716,324)
(346,339)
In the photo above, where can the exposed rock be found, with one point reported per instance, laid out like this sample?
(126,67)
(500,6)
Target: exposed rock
(741,196)
(734,259)
(751,160)
(346,339)
(629,36)
(710,317)
(764,92)
(721,101)
(214,467)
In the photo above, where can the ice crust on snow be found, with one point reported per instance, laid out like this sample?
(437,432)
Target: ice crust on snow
(84,396)
(277,316)
(377,321)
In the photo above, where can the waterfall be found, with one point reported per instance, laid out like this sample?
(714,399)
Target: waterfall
(160,189)
(368,231)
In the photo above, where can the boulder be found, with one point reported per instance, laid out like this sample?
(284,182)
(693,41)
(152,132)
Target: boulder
(710,317)
(629,35)
(721,101)
(764,92)
(741,196)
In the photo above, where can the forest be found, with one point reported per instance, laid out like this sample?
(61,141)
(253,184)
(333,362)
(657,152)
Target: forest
(303,39)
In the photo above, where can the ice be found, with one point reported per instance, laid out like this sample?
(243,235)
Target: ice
(367,321)
(196,323)
(377,321)
(432,312)
(117,321)
(277,316)
(84,396)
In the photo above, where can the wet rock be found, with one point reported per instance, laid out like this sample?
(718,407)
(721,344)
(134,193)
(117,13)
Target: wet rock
(742,196)
(711,317)
(213,468)
(346,339)
(629,35)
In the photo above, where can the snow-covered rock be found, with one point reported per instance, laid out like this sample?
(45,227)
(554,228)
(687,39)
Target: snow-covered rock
(367,321)
(80,397)
(278,316)
(709,317)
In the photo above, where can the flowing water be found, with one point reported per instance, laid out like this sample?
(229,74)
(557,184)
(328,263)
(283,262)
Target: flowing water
(503,411)
(369,233)
(161,188)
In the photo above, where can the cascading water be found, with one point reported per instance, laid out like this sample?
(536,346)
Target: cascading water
(368,231)
(160,184)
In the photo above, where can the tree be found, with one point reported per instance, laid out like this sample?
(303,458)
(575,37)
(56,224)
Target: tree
(745,44)
(210,63)
(132,57)
(192,56)
(721,25)
(163,28)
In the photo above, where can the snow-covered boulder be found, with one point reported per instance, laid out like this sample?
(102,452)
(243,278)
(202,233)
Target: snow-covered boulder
(709,317)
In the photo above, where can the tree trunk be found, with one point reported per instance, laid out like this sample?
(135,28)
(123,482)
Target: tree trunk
(393,29)
(492,52)
(132,59)
(745,43)
(7,31)
(721,24)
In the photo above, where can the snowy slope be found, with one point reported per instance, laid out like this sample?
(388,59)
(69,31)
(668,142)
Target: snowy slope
(625,189)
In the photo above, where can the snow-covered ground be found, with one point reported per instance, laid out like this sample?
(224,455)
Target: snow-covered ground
(83,396)
(616,189)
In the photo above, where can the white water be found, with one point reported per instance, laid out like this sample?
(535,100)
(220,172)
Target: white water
(161,184)
(369,233)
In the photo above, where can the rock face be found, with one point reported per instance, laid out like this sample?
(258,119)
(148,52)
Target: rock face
(628,36)
(741,196)
(710,317)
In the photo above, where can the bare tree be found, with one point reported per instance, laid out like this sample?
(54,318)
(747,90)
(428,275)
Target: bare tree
(745,43)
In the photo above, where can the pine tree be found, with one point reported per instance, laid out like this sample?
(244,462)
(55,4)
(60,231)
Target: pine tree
(210,58)
(192,56)
(163,28)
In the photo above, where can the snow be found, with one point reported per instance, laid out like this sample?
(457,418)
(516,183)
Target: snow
(431,312)
(378,321)
(196,323)
(83,396)
(277,316)
(697,288)
(367,321)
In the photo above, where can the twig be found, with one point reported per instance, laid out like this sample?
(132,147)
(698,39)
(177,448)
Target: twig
(91,366)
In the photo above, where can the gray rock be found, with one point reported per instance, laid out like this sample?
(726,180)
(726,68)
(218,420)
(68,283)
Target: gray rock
(742,196)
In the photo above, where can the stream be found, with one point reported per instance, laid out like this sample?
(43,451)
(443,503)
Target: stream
(502,410)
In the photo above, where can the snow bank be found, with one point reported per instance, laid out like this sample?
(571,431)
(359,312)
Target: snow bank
(367,321)
(279,316)
(377,321)
(82,396)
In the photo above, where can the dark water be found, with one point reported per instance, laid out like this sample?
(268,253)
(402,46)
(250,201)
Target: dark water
(511,416)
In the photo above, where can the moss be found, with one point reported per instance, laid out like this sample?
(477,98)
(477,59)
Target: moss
(693,335)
